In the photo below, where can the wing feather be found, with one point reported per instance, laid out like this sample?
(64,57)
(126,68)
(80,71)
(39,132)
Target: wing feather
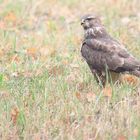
(108,52)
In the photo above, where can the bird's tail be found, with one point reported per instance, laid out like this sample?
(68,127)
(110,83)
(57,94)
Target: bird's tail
(136,73)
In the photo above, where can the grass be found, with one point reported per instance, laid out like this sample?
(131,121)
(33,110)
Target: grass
(46,88)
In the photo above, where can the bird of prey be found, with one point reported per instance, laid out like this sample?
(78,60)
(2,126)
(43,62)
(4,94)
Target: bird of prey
(105,56)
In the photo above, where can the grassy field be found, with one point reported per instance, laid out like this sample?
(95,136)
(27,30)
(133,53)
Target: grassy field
(46,89)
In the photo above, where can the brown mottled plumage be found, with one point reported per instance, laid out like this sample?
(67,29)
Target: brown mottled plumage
(103,54)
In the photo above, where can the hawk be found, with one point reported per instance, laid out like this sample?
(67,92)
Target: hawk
(105,56)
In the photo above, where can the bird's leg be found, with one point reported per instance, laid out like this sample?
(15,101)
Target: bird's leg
(99,76)
(102,80)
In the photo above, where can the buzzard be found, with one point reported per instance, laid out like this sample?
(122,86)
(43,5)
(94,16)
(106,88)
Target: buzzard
(105,56)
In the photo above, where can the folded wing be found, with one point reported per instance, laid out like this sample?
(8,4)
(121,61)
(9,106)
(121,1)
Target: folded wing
(104,52)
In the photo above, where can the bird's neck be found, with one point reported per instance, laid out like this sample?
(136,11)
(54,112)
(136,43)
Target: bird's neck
(97,31)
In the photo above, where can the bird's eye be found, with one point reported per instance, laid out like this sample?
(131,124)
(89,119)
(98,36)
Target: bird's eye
(89,19)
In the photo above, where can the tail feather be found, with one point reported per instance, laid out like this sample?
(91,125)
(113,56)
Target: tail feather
(136,73)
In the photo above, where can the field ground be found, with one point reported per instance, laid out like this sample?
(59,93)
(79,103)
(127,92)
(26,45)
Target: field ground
(46,89)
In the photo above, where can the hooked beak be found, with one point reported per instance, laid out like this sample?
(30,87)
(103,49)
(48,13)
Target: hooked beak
(82,22)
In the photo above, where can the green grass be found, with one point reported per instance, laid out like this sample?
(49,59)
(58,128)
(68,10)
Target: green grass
(46,92)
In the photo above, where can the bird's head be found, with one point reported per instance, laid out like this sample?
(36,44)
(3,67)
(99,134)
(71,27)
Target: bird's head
(92,25)
(90,21)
